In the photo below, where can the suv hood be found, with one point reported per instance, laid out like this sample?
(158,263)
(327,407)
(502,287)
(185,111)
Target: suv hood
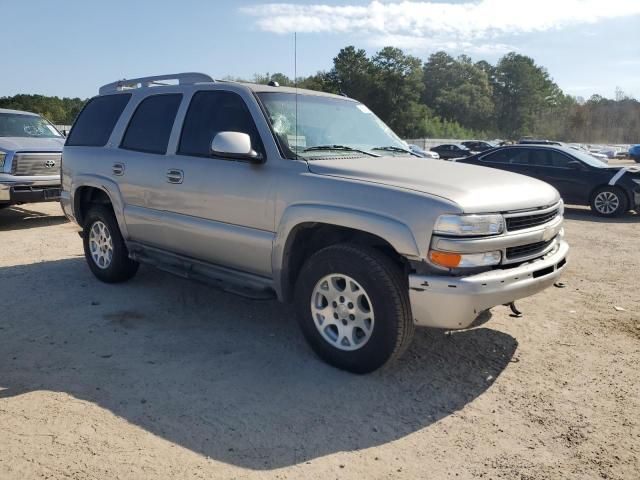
(475,189)
(31,144)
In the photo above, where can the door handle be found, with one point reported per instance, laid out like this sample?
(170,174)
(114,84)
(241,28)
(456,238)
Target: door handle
(118,169)
(175,176)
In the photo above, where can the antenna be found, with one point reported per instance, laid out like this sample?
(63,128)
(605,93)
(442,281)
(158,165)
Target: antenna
(295,79)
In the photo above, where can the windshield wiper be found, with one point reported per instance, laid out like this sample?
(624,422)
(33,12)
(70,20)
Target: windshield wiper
(345,148)
(395,149)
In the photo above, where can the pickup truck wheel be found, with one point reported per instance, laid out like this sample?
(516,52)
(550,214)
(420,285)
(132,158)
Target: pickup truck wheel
(104,247)
(353,307)
(609,202)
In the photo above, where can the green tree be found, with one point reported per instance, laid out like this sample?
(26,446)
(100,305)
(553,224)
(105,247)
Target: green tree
(522,91)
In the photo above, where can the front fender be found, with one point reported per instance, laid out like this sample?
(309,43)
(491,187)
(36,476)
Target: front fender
(106,185)
(396,233)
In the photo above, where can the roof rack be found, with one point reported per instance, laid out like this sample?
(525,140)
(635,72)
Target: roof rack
(186,78)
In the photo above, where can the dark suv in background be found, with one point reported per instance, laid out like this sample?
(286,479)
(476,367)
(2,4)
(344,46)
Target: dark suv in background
(580,178)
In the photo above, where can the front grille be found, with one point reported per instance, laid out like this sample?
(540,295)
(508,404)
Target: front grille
(36,164)
(528,221)
(527,250)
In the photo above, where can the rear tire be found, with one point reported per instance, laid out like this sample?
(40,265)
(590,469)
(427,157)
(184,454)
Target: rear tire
(609,202)
(352,304)
(104,247)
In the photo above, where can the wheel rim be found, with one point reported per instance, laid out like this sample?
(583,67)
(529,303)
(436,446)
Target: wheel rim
(606,202)
(342,312)
(101,245)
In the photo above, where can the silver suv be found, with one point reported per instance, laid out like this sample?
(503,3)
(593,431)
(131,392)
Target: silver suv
(30,149)
(308,197)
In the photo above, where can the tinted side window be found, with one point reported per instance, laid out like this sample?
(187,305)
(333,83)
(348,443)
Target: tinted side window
(501,156)
(211,112)
(559,160)
(509,156)
(151,124)
(95,123)
(540,158)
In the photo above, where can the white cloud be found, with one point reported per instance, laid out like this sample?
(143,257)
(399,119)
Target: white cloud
(474,26)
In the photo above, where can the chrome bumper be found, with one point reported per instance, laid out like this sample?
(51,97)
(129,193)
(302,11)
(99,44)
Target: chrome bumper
(455,302)
(8,188)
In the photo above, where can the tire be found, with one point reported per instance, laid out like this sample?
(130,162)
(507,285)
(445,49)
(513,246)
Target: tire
(357,279)
(105,250)
(609,202)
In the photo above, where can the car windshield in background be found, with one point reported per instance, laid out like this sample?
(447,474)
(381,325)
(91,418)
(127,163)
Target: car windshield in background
(17,125)
(329,127)
(585,157)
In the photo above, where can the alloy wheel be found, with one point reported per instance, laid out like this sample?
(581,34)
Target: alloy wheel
(342,312)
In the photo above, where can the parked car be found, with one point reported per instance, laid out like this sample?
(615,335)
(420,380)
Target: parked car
(423,153)
(478,146)
(583,149)
(272,191)
(634,153)
(30,149)
(452,150)
(580,178)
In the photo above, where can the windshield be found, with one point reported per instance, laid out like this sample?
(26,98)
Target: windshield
(325,123)
(585,157)
(19,125)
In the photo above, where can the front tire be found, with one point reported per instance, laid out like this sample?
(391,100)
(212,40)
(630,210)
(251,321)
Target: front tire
(353,307)
(104,247)
(609,202)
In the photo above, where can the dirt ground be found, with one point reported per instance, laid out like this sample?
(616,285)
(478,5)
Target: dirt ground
(163,378)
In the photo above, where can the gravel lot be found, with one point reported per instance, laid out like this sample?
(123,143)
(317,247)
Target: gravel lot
(164,378)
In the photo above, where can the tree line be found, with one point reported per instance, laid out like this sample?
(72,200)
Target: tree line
(442,97)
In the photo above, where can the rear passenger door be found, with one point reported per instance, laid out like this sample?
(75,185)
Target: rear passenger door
(220,210)
(141,164)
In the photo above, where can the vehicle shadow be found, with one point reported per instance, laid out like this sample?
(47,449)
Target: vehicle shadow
(223,376)
(586,215)
(17,218)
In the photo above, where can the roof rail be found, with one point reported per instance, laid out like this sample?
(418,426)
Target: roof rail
(186,78)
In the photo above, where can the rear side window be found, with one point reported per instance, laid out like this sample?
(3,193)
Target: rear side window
(151,124)
(519,156)
(95,123)
(211,112)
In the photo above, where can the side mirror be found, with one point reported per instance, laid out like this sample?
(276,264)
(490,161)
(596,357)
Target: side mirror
(235,145)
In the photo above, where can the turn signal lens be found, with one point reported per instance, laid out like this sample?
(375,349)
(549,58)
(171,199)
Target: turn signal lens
(2,157)
(468,260)
(445,259)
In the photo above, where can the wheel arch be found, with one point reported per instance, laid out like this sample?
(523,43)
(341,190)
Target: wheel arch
(298,237)
(97,191)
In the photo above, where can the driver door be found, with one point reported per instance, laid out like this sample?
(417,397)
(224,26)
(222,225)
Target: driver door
(220,210)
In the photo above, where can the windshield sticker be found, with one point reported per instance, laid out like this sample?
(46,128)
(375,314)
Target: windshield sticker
(299,141)
(363,108)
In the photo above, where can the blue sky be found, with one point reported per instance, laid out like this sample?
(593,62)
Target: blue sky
(70,48)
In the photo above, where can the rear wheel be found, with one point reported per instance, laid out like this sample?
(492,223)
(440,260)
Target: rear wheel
(353,307)
(104,247)
(609,202)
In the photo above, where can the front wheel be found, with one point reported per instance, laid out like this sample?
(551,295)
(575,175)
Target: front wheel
(104,247)
(609,202)
(353,307)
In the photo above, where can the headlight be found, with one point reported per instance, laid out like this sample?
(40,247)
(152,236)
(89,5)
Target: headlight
(636,180)
(465,260)
(469,225)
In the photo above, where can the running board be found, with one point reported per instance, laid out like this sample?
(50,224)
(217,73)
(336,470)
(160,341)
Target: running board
(233,281)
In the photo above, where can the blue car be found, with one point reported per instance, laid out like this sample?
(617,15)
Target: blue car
(634,153)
